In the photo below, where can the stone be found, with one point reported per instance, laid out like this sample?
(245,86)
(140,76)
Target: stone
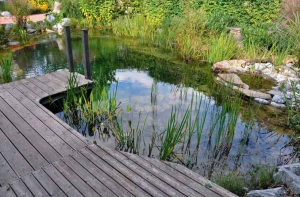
(65,21)
(290,60)
(262,101)
(223,66)
(59,28)
(233,79)
(287,175)
(275,91)
(31,31)
(56,7)
(50,18)
(6,14)
(298,86)
(278,99)
(278,105)
(255,94)
(8,27)
(276,192)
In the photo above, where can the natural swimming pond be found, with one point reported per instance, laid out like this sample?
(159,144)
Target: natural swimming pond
(149,84)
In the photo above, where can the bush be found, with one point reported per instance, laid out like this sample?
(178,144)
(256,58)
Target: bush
(20,9)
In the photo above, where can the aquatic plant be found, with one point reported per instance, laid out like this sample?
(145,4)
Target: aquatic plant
(173,135)
(5,65)
(293,108)
(258,177)
(23,36)
(128,137)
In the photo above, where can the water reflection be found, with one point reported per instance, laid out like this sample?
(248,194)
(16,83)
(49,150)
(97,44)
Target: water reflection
(153,86)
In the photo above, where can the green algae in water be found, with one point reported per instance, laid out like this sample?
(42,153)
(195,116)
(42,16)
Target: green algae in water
(257,82)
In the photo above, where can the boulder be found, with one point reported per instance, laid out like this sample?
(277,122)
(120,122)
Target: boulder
(65,21)
(290,175)
(278,105)
(254,94)
(50,18)
(233,79)
(278,99)
(262,101)
(276,192)
(56,7)
(6,14)
(223,66)
(8,27)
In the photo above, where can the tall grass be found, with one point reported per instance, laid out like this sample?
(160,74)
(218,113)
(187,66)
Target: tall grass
(174,133)
(293,108)
(5,66)
(129,137)
(136,27)
(221,47)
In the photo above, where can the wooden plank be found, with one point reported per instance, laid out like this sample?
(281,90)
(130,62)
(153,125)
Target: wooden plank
(48,135)
(34,186)
(144,161)
(56,87)
(101,176)
(57,81)
(48,184)
(42,86)
(20,189)
(113,173)
(14,158)
(137,175)
(185,171)
(61,181)
(7,174)
(71,176)
(157,178)
(70,137)
(29,93)
(7,191)
(34,88)
(20,142)
(65,75)
(140,177)
(58,125)
(87,177)
(48,152)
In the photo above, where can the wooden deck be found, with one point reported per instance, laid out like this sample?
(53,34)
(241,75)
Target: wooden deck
(40,155)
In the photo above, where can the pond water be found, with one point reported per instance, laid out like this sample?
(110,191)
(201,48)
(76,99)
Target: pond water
(152,83)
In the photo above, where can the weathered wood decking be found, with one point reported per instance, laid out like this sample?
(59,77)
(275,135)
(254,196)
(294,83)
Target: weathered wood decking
(40,155)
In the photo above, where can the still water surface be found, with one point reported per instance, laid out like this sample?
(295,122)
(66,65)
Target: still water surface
(138,71)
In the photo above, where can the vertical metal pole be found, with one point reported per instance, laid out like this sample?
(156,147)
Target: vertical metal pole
(86,56)
(69,48)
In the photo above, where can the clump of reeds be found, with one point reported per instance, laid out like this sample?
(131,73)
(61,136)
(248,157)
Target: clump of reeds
(5,66)
(221,47)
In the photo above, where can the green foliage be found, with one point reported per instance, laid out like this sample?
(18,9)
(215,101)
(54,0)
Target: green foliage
(70,9)
(258,177)
(98,11)
(5,65)
(232,182)
(20,9)
(246,12)
(221,47)
(174,134)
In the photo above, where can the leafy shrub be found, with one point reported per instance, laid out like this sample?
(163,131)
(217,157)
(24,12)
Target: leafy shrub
(20,9)
(246,12)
